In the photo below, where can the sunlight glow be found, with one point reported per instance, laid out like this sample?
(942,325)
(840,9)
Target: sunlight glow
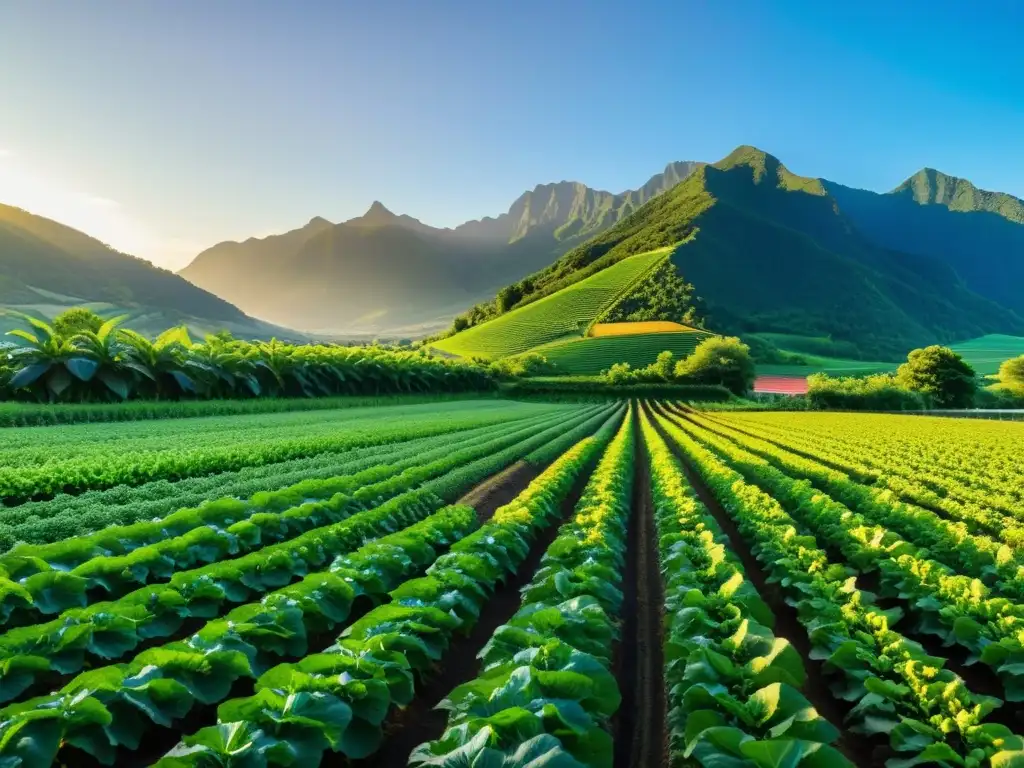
(100,217)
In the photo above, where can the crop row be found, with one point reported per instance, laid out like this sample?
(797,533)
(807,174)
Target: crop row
(338,700)
(733,686)
(108,708)
(14,414)
(978,510)
(929,452)
(42,522)
(87,460)
(108,630)
(958,609)
(546,691)
(978,556)
(116,529)
(896,689)
(125,556)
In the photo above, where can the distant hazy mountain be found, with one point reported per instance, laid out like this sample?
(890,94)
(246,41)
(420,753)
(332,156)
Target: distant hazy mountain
(768,250)
(388,273)
(46,266)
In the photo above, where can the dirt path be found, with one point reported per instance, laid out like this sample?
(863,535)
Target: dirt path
(420,722)
(861,751)
(499,490)
(641,732)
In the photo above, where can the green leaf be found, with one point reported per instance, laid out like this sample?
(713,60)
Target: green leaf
(115,383)
(774,753)
(934,753)
(719,739)
(82,368)
(886,688)
(1007,759)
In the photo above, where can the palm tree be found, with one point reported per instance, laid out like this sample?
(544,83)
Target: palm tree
(222,368)
(275,359)
(160,360)
(104,349)
(45,360)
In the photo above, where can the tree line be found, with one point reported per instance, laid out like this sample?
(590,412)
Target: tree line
(82,357)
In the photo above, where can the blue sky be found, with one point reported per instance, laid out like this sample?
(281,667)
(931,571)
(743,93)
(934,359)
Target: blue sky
(164,127)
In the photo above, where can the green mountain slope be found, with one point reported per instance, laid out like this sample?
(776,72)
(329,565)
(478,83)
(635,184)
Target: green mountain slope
(769,250)
(979,234)
(389,274)
(931,187)
(565,314)
(46,267)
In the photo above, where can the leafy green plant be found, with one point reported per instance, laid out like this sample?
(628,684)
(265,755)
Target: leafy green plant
(45,362)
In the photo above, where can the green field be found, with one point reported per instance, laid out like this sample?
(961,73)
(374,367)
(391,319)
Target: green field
(568,312)
(593,355)
(238,590)
(985,354)
(833,366)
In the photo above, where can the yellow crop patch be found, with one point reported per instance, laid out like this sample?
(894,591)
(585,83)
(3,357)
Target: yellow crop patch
(630,329)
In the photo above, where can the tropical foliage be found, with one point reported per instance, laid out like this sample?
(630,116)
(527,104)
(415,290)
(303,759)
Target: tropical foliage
(79,364)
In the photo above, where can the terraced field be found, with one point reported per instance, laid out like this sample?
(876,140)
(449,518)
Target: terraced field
(609,585)
(567,313)
(591,356)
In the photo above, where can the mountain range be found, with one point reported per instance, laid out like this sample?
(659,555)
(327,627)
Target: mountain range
(935,259)
(768,250)
(388,274)
(46,267)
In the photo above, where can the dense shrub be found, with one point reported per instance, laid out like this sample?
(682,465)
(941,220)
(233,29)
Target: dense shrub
(1000,396)
(725,361)
(881,392)
(527,364)
(597,387)
(114,364)
(941,374)
(1011,375)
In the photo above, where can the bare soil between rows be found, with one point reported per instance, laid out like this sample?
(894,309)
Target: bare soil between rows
(499,490)
(420,722)
(640,726)
(490,494)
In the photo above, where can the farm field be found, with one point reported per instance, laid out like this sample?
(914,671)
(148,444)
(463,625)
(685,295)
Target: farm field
(592,355)
(566,313)
(985,354)
(637,327)
(597,584)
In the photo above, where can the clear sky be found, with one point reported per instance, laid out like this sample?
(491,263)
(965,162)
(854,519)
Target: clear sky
(164,127)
